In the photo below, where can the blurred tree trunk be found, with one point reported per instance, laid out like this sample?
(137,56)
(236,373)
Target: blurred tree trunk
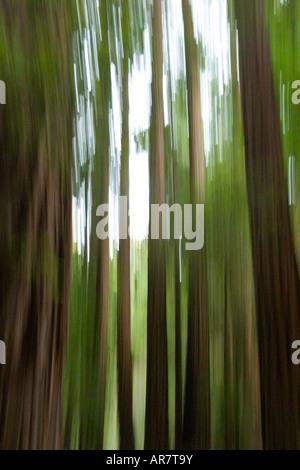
(241,399)
(178,355)
(156,425)
(196,430)
(275,269)
(177,261)
(101,247)
(124,316)
(35,238)
(95,269)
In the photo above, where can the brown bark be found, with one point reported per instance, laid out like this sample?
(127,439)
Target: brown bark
(178,355)
(241,400)
(35,138)
(176,246)
(156,425)
(102,168)
(275,269)
(196,430)
(124,312)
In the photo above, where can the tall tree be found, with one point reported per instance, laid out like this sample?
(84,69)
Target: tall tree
(156,425)
(124,320)
(178,354)
(241,397)
(35,138)
(196,430)
(275,269)
(101,247)
(96,269)
(177,261)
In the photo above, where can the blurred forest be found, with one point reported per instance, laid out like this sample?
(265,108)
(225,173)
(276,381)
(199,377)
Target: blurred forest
(137,343)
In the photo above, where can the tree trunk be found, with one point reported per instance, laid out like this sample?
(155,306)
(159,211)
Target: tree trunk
(35,138)
(124,317)
(178,354)
(275,269)
(156,425)
(177,281)
(102,249)
(196,430)
(96,277)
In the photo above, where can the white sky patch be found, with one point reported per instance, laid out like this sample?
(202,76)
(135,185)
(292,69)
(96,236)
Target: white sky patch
(115,133)
(116,107)
(139,195)
(173,29)
(166,100)
(211,25)
(139,98)
(139,121)
(87,65)
(79,219)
